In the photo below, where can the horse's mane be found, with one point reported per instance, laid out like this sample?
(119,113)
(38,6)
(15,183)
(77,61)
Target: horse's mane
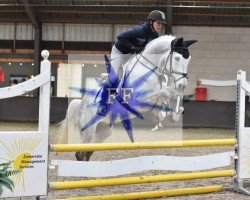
(158,44)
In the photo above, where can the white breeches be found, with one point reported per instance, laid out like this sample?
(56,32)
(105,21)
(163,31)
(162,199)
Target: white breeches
(118,59)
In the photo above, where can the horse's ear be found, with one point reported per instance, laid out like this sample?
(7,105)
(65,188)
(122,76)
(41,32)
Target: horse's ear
(178,42)
(189,42)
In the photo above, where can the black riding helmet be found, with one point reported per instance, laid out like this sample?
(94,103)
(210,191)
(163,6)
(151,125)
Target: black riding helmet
(158,16)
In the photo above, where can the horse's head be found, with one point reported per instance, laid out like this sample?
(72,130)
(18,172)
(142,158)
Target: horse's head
(172,56)
(177,61)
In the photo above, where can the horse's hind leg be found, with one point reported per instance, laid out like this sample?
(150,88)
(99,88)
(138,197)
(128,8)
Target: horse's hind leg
(88,137)
(79,156)
(88,154)
(101,132)
(83,156)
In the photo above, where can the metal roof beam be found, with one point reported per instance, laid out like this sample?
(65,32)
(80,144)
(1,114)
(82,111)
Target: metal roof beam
(38,34)
(32,15)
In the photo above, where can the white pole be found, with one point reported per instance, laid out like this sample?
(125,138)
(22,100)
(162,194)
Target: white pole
(240,125)
(44,107)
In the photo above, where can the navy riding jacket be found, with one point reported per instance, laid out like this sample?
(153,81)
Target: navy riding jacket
(136,37)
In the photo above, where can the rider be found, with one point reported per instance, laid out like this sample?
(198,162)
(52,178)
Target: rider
(134,40)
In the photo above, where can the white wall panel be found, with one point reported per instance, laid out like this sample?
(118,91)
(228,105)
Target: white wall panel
(120,29)
(219,53)
(25,32)
(69,75)
(87,32)
(52,32)
(62,80)
(73,32)
(90,83)
(6,31)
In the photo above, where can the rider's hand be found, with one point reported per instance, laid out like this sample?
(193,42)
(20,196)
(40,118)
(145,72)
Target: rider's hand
(137,49)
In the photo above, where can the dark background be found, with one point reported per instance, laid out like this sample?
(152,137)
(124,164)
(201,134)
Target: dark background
(211,114)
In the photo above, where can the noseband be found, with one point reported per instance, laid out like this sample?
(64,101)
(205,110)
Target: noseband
(171,71)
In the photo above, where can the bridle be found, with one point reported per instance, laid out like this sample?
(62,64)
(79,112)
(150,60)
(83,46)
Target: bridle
(171,72)
(164,71)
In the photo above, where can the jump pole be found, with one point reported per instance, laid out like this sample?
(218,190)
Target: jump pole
(140,145)
(153,194)
(139,180)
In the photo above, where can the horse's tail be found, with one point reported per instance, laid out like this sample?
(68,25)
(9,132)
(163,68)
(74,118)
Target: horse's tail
(68,131)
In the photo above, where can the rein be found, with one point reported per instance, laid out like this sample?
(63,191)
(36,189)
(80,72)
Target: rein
(164,71)
(171,71)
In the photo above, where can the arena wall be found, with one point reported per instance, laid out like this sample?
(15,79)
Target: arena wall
(197,114)
(218,54)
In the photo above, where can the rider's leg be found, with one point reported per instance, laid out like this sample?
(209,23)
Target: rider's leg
(116,62)
(118,59)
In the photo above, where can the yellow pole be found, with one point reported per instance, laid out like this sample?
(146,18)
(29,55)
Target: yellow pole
(140,145)
(139,180)
(152,194)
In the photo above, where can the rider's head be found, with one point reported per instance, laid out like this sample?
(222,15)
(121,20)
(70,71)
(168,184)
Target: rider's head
(156,18)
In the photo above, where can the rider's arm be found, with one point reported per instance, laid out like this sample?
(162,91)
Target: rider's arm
(127,37)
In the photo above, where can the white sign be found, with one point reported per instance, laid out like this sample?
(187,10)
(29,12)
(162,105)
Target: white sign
(23,164)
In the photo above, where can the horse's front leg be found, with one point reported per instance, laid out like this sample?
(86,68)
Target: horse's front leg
(161,115)
(176,114)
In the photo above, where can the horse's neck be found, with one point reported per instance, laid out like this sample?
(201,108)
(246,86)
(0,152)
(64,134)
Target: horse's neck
(159,46)
(158,52)
(154,55)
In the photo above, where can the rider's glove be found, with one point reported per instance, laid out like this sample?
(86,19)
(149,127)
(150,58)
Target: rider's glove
(137,49)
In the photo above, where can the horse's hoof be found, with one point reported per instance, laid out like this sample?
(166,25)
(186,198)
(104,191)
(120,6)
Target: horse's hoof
(181,109)
(78,156)
(156,128)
